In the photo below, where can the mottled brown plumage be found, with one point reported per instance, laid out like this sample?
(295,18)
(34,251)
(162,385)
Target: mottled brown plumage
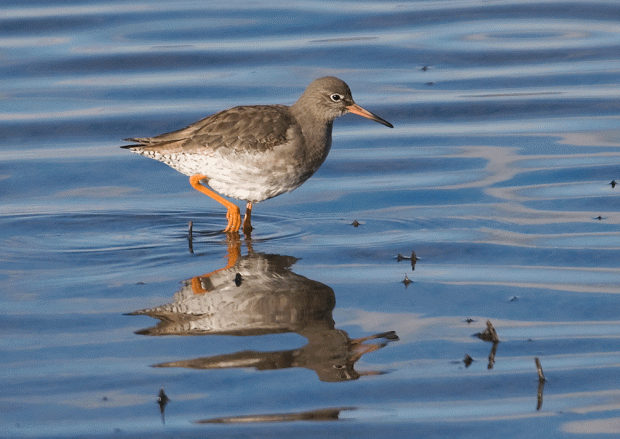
(254,153)
(252,128)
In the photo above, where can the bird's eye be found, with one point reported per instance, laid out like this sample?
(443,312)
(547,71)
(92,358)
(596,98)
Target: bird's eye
(336,97)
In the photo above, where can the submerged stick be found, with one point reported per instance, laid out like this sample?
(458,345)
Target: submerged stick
(541,384)
(541,375)
(492,355)
(190,238)
(539,395)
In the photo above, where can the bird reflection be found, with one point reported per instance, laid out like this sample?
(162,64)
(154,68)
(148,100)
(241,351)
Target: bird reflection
(259,294)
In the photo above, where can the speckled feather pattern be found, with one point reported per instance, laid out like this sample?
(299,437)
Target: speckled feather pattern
(254,153)
(249,153)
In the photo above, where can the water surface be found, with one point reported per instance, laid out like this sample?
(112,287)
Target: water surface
(497,174)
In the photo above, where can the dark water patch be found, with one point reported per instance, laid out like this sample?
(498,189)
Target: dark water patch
(597,171)
(591,204)
(549,86)
(395,166)
(59,242)
(490,110)
(509,10)
(403,197)
(57,177)
(63,23)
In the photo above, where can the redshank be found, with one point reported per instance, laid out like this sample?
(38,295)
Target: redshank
(254,153)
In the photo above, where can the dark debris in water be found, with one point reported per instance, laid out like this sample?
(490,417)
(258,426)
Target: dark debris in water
(488,334)
(162,400)
(468,360)
(413,258)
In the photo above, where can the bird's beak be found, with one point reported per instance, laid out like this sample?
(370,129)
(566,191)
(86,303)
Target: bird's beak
(356,109)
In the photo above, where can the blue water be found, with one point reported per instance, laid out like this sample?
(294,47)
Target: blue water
(497,174)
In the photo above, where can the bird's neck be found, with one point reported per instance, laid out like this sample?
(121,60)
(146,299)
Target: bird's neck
(317,133)
(309,120)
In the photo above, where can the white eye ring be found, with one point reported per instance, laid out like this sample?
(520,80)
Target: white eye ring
(336,97)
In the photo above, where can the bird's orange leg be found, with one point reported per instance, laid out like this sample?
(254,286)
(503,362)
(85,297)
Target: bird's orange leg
(234,252)
(233,215)
(247,220)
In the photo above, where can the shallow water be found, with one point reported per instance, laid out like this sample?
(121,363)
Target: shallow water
(497,174)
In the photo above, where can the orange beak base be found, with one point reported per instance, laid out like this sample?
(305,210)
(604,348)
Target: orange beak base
(356,109)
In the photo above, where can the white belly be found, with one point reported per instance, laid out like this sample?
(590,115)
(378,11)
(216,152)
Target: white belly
(244,176)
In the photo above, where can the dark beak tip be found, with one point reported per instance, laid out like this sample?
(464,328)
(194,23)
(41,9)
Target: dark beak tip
(384,122)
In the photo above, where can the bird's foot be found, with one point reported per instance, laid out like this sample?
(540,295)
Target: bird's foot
(234,219)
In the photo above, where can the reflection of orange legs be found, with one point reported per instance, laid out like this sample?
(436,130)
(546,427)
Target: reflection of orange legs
(233,215)
(247,220)
(234,252)
(361,349)
(357,348)
(390,336)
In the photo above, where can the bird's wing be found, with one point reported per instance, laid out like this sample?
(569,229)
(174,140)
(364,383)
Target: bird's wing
(247,129)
